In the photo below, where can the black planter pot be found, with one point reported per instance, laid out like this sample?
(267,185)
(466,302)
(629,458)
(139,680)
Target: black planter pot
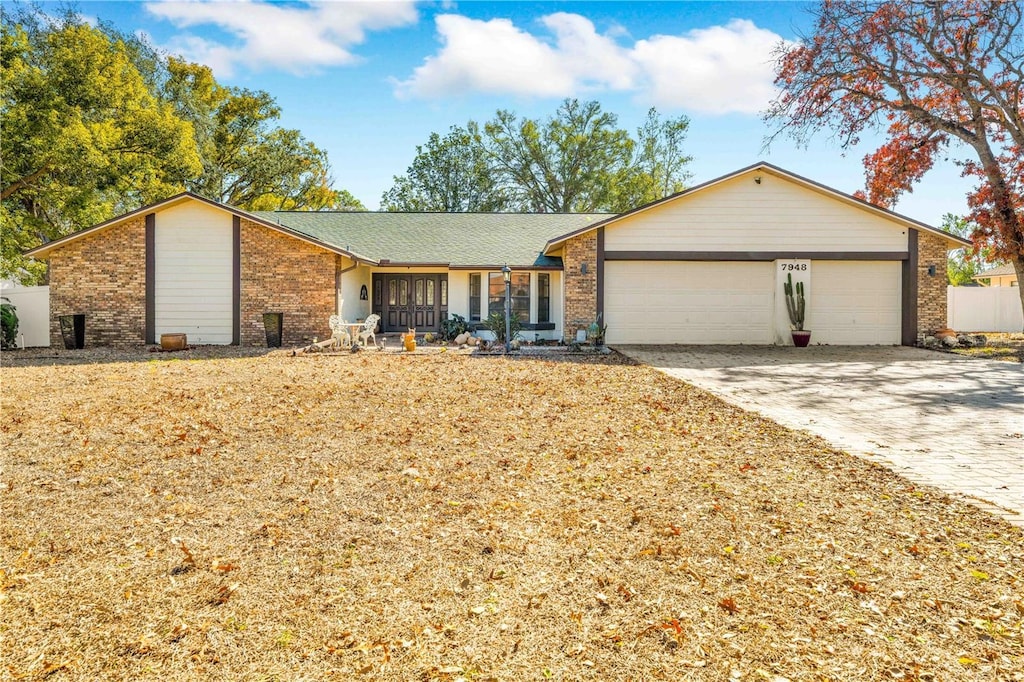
(273,325)
(72,330)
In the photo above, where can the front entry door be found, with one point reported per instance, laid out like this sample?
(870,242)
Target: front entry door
(418,301)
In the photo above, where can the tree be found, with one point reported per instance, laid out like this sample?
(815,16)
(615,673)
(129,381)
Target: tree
(247,161)
(570,163)
(83,136)
(937,77)
(576,161)
(963,264)
(449,173)
(659,164)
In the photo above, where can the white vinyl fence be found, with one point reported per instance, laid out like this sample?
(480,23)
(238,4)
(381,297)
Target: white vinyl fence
(33,309)
(984,309)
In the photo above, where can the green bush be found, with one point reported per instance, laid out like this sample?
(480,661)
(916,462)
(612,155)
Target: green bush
(495,323)
(452,327)
(9,322)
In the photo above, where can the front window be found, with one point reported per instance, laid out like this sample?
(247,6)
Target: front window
(474,297)
(520,294)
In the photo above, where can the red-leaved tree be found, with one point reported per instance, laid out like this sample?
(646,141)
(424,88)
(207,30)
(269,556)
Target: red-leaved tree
(939,78)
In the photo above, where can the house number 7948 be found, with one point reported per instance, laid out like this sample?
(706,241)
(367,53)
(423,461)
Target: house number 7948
(793,266)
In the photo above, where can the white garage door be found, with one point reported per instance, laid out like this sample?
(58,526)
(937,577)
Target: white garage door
(689,302)
(855,303)
(193,292)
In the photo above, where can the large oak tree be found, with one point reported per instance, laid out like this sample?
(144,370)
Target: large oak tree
(939,78)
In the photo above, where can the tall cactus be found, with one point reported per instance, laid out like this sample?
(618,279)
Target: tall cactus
(794,303)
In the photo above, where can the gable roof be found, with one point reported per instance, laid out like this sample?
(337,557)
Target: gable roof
(998,271)
(43,250)
(761,166)
(451,239)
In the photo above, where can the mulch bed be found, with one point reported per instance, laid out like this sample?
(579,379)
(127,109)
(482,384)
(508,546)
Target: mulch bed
(445,517)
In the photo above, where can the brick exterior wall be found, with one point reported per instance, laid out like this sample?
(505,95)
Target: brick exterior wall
(580,289)
(282,274)
(103,276)
(931,289)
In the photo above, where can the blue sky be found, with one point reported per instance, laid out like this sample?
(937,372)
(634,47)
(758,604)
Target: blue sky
(370,81)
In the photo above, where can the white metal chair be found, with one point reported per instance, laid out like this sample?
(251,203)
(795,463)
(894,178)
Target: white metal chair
(339,332)
(367,332)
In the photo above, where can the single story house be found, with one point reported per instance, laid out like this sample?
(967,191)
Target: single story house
(999,276)
(705,265)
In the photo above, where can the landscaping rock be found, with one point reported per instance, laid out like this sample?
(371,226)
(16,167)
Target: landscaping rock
(462,338)
(949,341)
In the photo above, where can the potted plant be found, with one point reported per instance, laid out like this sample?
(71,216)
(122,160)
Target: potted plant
(795,306)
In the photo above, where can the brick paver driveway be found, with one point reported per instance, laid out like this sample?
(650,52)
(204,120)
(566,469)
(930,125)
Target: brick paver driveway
(952,422)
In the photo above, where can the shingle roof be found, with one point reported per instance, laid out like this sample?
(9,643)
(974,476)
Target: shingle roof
(998,271)
(457,239)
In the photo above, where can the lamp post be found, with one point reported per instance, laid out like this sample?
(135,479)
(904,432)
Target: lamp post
(506,272)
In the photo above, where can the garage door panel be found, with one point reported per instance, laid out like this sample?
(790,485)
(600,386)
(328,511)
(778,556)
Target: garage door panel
(688,302)
(855,303)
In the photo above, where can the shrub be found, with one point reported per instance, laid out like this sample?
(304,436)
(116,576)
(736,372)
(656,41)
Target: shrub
(495,324)
(9,323)
(452,327)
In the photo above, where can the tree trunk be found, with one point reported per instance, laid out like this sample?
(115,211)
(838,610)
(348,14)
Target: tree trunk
(1018,267)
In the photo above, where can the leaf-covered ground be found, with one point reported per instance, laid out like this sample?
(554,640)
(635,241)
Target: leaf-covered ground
(1000,346)
(437,517)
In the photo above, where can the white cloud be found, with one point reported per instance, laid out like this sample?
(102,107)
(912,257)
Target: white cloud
(716,70)
(290,37)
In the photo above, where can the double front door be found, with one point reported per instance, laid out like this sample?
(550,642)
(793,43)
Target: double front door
(418,301)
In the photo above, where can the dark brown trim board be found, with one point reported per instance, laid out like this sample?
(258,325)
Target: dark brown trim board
(754,255)
(150,278)
(600,274)
(908,305)
(236,280)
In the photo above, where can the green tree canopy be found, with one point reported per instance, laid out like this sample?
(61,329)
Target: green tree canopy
(578,160)
(449,173)
(84,138)
(97,123)
(247,161)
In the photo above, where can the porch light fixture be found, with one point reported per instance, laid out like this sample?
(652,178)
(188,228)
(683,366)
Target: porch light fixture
(506,272)
(583,268)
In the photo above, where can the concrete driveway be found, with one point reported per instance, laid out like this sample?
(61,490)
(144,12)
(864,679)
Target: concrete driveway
(940,419)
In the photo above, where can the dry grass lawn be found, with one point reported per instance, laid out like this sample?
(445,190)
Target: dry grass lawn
(442,517)
(1000,346)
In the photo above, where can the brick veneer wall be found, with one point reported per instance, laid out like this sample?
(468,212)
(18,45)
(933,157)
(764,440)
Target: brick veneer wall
(282,274)
(103,276)
(580,289)
(931,289)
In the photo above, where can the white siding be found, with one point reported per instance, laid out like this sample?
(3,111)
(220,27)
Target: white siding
(739,214)
(689,302)
(193,288)
(855,303)
(352,281)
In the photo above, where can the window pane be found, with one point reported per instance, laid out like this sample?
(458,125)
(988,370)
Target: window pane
(543,297)
(419,291)
(403,292)
(520,291)
(392,292)
(376,292)
(474,297)
(430,292)
(444,292)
